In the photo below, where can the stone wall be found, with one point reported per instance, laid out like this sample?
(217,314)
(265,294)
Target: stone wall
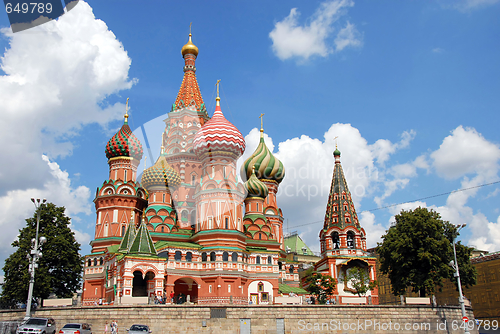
(262,319)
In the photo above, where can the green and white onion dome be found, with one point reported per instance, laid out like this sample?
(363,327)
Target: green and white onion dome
(255,187)
(160,174)
(267,166)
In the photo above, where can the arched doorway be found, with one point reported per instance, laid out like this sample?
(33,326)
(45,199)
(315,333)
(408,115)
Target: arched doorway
(188,287)
(141,286)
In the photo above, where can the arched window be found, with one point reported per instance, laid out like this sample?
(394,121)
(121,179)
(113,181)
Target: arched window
(193,179)
(95,262)
(351,243)
(204,257)
(234,257)
(178,256)
(89,263)
(212,256)
(225,256)
(162,229)
(260,287)
(163,198)
(269,260)
(101,261)
(257,259)
(123,230)
(189,256)
(184,216)
(227,223)
(335,240)
(280,265)
(291,269)
(260,236)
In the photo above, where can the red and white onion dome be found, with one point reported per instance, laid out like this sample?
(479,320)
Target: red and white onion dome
(218,137)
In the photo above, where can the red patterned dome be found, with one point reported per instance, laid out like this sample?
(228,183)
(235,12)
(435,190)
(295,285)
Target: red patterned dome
(218,135)
(124,144)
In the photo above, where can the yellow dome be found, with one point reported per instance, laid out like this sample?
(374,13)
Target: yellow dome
(189,48)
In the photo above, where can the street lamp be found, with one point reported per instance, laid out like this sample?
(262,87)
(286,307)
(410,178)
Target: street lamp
(454,265)
(34,255)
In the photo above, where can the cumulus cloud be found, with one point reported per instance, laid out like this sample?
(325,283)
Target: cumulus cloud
(290,39)
(56,78)
(464,152)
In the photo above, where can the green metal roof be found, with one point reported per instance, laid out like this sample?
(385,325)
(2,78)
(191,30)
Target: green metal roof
(295,244)
(163,244)
(143,244)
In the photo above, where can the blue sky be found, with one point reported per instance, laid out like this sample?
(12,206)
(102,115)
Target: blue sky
(411,89)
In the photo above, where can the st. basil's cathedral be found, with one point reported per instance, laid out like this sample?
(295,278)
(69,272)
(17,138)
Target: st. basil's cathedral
(191,228)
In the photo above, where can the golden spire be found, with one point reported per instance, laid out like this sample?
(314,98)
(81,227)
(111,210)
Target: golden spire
(126,112)
(145,160)
(189,47)
(261,125)
(143,216)
(336,141)
(217,99)
(131,215)
(162,147)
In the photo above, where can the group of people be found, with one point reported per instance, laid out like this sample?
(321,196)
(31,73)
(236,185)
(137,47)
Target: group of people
(111,328)
(172,298)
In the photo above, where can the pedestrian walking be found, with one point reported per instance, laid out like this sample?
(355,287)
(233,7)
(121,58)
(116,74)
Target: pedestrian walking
(106,328)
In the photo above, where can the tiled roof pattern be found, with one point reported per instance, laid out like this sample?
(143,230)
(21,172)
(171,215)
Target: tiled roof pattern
(340,205)
(124,144)
(189,94)
(267,166)
(218,134)
(128,238)
(160,174)
(142,244)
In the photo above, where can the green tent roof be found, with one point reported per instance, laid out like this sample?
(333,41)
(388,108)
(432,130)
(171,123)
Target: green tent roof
(295,244)
(143,244)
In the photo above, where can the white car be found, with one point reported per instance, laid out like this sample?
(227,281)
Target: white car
(37,325)
(76,328)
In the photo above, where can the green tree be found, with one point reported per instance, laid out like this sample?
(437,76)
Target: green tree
(417,250)
(60,267)
(319,285)
(360,281)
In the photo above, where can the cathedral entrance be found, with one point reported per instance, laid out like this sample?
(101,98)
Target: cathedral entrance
(184,287)
(141,285)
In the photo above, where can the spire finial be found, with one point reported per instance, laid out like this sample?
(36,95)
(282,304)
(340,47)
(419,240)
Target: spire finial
(126,112)
(217,98)
(131,215)
(145,160)
(143,216)
(162,147)
(336,141)
(190,24)
(261,124)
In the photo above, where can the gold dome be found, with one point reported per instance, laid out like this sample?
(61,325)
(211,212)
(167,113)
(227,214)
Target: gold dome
(189,48)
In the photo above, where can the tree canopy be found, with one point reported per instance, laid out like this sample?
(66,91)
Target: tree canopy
(319,285)
(60,267)
(417,250)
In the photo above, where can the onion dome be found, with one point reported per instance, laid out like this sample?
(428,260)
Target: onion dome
(267,166)
(218,135)
(189,47)
(160,174)
(255,187)
(124,143)
(336,152)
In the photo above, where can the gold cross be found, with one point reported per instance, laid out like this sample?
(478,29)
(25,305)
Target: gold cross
(126,107)
(217,85)
(190,27)
(335,141)
(261,121)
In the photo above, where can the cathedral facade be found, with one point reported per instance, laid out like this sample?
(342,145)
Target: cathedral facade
(189,227)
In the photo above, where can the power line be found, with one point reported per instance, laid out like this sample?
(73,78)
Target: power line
(415,200)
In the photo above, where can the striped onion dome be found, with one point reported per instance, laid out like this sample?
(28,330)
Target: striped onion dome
(218,135)
(160,174)
(255,187)
(266,165)
(124,144)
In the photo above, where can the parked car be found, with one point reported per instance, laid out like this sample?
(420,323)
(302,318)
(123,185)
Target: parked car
(76,328)
(37,325)
(138,329)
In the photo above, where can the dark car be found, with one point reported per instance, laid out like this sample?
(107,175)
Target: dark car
(37,325)
(138,329)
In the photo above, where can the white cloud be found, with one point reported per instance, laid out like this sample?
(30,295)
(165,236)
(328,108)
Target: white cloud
(383,148)
(303,41)
(464,152)
(469,5)
(373,230)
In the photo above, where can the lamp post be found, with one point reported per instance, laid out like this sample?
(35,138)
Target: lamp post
(454,265)
(34,255)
